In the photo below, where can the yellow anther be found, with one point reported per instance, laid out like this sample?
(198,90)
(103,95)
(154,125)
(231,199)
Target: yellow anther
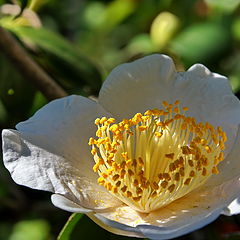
(100,161)
(139,191)
(148,112)
(221,156)
(115,177)
(134,162)
(125,155)
(115,190)
(114,128)
(97,121)
(137,199)
(186,150)
(187,181)
(96,167)
(158,134)
(123,164)
(178,116)
(169,121)
(204,172)
(177,177)
(129,163)
(167,176)
(135,182)
(190,163)
(99,133)
(115,166)
(118,183)
(137,118)
(124,188)
(169,155)
(204,161)
(161,124)
(91,141)
(180,161)
(111,120)
(155,186)
(224,137)
(111,156)
(165,104)
(215,170)
(103,119)
(208,149)
(177,102)
(130,172)
(108,186)
(142,128)
(122,173)
(221,144)
(203,142)
(129,194)
(171,188)
(104,175)
(192,173)
(140,161)
(181,171)
(176,110)
(154,194)
(93,151)
(160,176)
(101,181)
(220,131)
(164,184)
(172,167)
(185,108)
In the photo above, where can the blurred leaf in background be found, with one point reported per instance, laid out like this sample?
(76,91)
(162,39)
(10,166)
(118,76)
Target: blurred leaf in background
(31,229)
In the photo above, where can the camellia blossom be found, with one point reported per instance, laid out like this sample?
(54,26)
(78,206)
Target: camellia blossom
(157,156)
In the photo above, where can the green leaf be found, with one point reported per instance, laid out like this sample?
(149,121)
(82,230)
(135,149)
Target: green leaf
(142,43)
(201,43)
(236,29)
(69,226)
(31,229)
(55,44)
(224,5)
(117,11)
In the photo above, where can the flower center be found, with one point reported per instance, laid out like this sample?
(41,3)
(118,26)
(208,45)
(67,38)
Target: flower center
(154,158)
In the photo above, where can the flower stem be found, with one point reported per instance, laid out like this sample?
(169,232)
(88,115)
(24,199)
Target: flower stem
(69,226)
(29,69)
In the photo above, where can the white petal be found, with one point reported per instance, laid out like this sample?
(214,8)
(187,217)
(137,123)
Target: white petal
(50,151)
(115,227)
(209,98)
(68,205)
(145,83)
(191,212)
(233,208)
(133,87)
(184,215)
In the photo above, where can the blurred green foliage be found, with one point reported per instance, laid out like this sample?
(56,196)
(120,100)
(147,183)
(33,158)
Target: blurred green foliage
(78,43)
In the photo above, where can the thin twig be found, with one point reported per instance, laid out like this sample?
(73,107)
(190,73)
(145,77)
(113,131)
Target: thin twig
(29,69)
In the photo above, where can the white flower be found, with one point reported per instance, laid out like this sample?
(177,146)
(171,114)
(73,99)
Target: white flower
(158,175)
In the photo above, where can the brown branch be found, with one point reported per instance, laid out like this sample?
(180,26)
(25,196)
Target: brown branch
(29,69)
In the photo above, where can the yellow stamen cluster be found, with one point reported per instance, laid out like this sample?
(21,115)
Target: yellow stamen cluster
(154,158)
